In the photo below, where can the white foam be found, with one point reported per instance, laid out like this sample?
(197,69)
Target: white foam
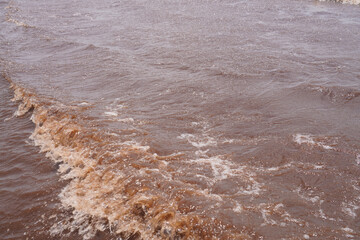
(279,209)
(273,169)
(348,230)
(114,109)
(357,159)
(265,213)
(195,124)
(229,141)
(221,168)
(253,189)
(126,120)
(202,153)
(203,125)
(9,118)
(318,167)
(309,140)
(309,196)
(115,106)
(135,145)
(292,164)
(350,209)
(78,221)
(199,142)
(114,114)
(238,208)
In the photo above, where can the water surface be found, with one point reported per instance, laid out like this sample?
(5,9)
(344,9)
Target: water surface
(180,119)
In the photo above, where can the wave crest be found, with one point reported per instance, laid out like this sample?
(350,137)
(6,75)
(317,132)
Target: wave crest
(117,186)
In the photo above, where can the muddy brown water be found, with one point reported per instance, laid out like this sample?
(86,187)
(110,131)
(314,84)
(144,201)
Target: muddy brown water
(179,119)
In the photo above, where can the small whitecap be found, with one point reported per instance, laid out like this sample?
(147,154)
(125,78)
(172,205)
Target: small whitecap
(309,140)
(348,230)
(199,141)
(301,138)
(238,208)
(126,120)
(350,209)
(114,114)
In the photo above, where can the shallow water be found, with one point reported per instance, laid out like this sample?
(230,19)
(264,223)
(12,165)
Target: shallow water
(180,120)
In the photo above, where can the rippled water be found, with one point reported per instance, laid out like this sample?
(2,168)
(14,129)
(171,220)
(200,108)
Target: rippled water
(180,119)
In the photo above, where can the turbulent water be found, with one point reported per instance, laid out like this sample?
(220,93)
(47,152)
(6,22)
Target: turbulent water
(172,119)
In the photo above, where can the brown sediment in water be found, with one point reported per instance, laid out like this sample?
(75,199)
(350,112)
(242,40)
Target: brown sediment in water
(190,120)
(118,186)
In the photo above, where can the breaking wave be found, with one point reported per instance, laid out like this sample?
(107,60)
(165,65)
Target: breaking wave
(116,185)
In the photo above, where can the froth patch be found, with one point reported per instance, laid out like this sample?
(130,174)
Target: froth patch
(197,141)
(350,209)
(220,167)
(309,196)
(349,233)
(311,141)
(111,114)
(274,214)
(126,120)
(357,160)
(84,104)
